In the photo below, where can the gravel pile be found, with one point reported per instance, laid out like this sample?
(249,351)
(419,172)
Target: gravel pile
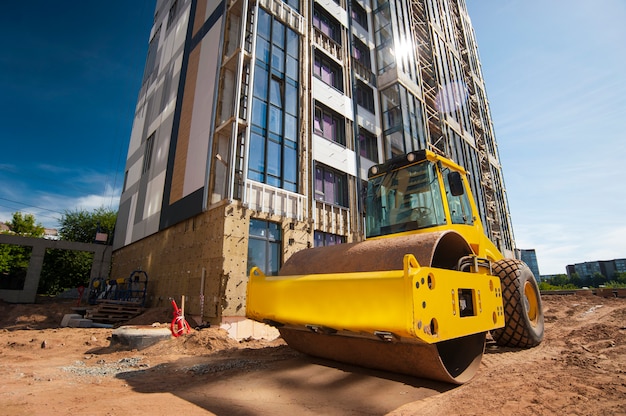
(104,369)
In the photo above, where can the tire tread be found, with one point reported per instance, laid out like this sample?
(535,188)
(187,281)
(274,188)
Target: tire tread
(516,332)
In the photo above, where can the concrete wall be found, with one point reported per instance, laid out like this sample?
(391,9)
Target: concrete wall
(99,267)
(205,259)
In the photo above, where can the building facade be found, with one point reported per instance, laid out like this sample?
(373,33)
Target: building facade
(587,270)
(529,256)
(258,119)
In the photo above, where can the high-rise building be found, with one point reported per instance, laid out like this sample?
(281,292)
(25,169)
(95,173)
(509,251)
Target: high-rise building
(257,121)
(529,256)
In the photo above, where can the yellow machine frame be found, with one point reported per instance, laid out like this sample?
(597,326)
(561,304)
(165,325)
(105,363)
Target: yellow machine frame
(426,303)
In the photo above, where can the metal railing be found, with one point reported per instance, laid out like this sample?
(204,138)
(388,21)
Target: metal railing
(272,200)
(332,219)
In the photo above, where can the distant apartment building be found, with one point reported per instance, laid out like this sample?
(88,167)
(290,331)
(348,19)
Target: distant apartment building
(257,121)
(529,256)
(607,268)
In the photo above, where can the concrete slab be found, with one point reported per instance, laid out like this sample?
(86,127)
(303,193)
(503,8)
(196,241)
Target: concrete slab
(139,336)
(67,317)
(80,323)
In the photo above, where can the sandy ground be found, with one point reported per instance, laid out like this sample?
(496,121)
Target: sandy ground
(580,369)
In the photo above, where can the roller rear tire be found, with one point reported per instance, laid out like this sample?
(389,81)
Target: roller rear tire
(523,311)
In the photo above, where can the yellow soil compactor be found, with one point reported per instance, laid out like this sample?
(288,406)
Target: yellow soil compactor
(419,295)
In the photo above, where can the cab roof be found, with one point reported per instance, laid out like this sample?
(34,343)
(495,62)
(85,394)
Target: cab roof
(411,159)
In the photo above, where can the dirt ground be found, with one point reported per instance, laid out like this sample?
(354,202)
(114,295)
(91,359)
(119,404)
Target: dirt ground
(579,369)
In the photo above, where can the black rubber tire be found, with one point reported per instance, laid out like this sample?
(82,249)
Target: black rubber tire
(523,312)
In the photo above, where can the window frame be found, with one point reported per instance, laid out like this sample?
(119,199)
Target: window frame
(270,242)
(274,119)
(338,193)
(320,62)
(336,134)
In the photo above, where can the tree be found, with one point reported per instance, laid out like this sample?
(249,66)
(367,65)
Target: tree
(598,279)
(82,226)
(65,269)
(14,259)
(25,226)
(576,280)
(619,277)
(558,280)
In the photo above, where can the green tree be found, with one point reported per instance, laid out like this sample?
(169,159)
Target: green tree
(14,259)
(559,280)
(82,226)
(64,269)
(576,280)
(620,277)
(598,279)
(25,225)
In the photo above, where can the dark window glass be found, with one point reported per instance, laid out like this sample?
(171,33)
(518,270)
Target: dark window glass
(331,186)
(359,15)
(147,154)
(328,71)
(368,146)
(365,96)
(327,25)
(273,143)
(329,124)
(327,239)
(264,246)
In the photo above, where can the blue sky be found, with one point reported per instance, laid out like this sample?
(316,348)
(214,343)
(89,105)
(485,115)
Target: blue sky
(70,73)
(555,71)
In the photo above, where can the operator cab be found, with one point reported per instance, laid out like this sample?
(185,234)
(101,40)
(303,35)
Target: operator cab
(404,194)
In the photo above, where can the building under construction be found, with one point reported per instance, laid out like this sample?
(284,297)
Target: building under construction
(257,121)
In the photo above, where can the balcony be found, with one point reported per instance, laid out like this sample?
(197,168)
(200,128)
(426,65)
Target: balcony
(275,201)
(327,44)
(332,219)
(285,13)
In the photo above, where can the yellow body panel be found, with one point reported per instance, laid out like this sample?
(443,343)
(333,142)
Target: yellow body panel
(420,303)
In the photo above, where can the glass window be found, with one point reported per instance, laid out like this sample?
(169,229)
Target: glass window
(275,123)
(359,15)
(329,124)
(294,4)
(292,67)
(365,96)
(326,25)
(276,120)
(291,127)
(331,186)
(327,239)
(257,153)
(259,113)
(264,25)
(147,154)
(263,50)
(293,43)
(273,158)
(404,200)
(328,71)
(260,83)
(264,246)
(459,206)
(290,164)
(361,52)
(276,93)
(368,146)
(291,98)
(278,60)
(278,34)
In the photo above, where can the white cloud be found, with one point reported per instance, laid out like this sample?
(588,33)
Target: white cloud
(48,208)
